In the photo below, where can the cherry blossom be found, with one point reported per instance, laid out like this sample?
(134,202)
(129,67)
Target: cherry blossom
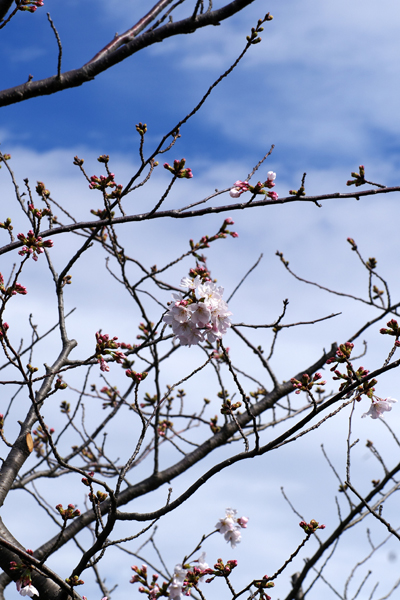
(379,406)
(27,590)
(175,588)
(202,562)
(202,314)
(230,526)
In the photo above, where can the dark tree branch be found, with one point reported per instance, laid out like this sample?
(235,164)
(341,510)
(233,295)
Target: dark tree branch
(155,481)
(5,6)
(175,214)
(108,58)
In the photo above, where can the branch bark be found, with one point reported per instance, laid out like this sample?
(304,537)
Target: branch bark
(109,56)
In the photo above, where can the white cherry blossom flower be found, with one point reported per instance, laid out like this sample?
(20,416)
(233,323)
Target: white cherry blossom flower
(175,588)
(29,590)
(228,522)
(234,537)
(192,284)
(378,407)
(201,314)
(202,561)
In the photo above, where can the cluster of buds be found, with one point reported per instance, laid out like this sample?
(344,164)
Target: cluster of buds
(15,288)
(41,439)
(227,408)
(150,588)
(108,347)
(68,513)
(74,580)
(253,38)
(98,497)
(86,481)
(351,376)
(42,191)
(33,245)
(65,407)
(393,329)
(102,213)
(106,181)
(206,240)
(112,395)
(149,401)
(306,383)
(179,170)
(39,213)
(193,576)
(136,377)
(3,329)
(141,128)
(220,569)
(200,271)
(60,384)
(263,584)
(352,244)
(164,426)
(220,355)
(213,424)
(259,188)
(147,331)
(29,5)
(359,178)
(342,355)
(311,527)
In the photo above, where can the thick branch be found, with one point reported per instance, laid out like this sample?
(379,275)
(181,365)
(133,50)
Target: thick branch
(88,72)
(155,481)
(20,452)
(176,214)
(5,6)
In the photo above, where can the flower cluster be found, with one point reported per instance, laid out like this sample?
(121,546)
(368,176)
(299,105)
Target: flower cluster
(243,186)
(109,347)
(203,314)
(30,6)
(185,579)
(230,526)
(33,245)
(179,169)
(379,406)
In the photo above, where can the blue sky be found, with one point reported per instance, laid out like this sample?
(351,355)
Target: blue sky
(323,86)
